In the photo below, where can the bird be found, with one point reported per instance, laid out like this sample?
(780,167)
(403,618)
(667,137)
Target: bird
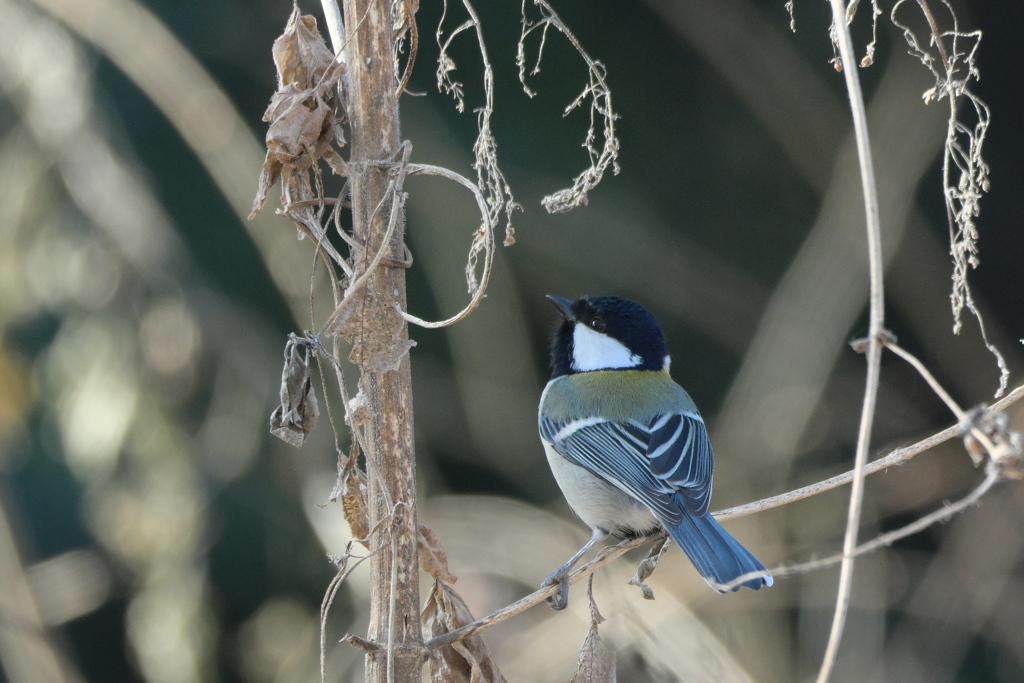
(627,445)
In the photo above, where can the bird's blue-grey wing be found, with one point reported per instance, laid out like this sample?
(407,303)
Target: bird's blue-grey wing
(679,454)
(616,452)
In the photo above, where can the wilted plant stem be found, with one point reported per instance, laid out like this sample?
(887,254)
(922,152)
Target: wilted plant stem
(335,25)
(876,330)
(372,109)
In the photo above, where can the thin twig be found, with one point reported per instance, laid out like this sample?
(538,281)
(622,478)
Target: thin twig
(876,331)
(318,348)
(612,553)
(488,244)
(606,557)
(414,44)
(596,91)
(961,415)
(953,68)
(888,538)
(896,457)
(339,374)
(490,179)
(319,202)
(325,606)
(332,326)
(354,424)
(928,377)
(310,226)
(335,26)
(335,284)
(336,218)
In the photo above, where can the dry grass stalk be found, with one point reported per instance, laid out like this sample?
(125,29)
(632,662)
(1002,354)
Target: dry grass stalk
(876,330)
(596,92)
(950,55)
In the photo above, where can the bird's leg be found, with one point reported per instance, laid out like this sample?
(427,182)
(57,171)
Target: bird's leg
(560,576)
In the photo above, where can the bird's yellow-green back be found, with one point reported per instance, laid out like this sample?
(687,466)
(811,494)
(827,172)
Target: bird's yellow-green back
(616,395)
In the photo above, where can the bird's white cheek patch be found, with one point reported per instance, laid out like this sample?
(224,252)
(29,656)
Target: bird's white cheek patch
(595,351)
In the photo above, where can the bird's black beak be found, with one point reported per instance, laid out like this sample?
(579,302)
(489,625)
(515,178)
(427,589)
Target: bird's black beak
(564,307)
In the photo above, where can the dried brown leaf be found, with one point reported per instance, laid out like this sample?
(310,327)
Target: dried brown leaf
(465,661)
(353,499)
(301,114)
(302,128)
(268,176)
(300,53)
(298,120)
(596,662)
(646,568)
(335,161)
(433,557)
(296,415)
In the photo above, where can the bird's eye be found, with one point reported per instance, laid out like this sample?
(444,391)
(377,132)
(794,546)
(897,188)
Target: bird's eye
(597,324)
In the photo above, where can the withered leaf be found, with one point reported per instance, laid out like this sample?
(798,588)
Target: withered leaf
(300,53)
(302,128)
(465,661)
(433,557)
(646,568)
(268,176)
(596,662)
(353,499)
(296,415)
(335,161)
(303,123)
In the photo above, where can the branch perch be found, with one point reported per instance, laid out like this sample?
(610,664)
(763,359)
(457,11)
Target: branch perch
(611,553)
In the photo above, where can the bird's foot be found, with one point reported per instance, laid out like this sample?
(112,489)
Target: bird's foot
(559,600)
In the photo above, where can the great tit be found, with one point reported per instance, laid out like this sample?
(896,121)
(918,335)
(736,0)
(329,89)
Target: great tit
(626,444)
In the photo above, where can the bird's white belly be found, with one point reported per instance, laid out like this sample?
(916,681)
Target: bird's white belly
(599,504)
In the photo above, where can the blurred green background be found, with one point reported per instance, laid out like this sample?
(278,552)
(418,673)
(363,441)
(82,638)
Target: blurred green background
(152,530)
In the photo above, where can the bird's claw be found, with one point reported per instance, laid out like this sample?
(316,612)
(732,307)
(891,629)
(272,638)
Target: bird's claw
(559,600)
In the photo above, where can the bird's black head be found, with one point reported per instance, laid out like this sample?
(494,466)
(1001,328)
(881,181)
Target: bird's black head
(606,333)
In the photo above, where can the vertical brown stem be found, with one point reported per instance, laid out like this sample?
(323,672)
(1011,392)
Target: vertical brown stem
(373,112)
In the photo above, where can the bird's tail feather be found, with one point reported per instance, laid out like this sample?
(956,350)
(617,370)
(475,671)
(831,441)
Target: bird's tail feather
(718,557)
